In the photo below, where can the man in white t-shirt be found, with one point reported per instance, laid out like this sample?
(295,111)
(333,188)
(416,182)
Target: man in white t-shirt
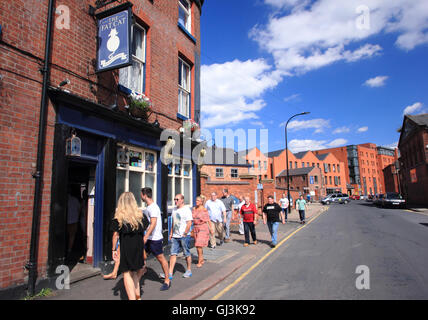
(153,238)
(217,212)
(181,224)
(284,205)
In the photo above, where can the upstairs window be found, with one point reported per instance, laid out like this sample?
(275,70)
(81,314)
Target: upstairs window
(132,77)
(184,15)
(219,173)
(183,88)
(234,173)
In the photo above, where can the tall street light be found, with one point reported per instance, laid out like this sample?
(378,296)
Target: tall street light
(286,157)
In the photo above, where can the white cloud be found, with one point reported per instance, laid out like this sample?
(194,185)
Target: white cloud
(378,81)
(307,35)
(232,91)
(296,145)
(392,145)
(318,124)
(416,107)
(292,97)
(337,143)
(363,129)
(341,130)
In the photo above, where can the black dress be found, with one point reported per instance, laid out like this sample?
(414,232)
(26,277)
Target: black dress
(131,246)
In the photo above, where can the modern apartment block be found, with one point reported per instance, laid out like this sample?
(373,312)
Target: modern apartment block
(271,166)
(365,163)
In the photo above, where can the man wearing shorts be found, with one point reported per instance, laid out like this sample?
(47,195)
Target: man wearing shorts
(181,224)
(153,239)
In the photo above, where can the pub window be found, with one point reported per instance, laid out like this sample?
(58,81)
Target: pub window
(136,168)
(180,181)
(132,77)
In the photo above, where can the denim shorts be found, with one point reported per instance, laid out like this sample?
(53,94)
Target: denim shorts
(180,243)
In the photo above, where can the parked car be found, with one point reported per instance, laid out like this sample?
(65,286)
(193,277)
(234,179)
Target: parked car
(336,198)
(377,200)
(369,198)
(363,197)
(354,197)
(393,199)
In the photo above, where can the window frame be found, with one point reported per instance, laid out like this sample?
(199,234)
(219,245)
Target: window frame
(188,23)
(139,60)
(182,90)
(173,176)
(217,172)
(233,172)
(141,169)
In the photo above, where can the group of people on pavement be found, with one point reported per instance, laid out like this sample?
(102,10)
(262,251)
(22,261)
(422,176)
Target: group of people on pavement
(138,233)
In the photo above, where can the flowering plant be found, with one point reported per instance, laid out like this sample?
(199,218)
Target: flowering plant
(190,124)
(139,105)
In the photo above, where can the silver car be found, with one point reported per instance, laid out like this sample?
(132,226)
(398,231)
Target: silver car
(393,199)
(336,198)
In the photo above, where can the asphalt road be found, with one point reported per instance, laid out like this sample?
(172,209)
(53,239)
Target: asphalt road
(320,261)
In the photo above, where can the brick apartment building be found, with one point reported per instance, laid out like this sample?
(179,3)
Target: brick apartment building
(391,178)
(223,168)
(413,146)
(305,181)
(365,163)
(119,152)
(332,179)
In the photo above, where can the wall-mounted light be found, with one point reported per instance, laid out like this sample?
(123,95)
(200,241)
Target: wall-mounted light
(170,144)
(73,145)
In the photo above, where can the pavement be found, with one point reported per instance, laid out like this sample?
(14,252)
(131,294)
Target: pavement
(220,263)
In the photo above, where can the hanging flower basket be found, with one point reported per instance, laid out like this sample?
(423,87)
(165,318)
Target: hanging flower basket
(190,124)
(140,106)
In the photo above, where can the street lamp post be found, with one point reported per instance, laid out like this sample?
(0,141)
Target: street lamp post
(286,156)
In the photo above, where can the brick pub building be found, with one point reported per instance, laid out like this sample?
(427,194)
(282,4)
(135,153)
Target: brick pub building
(413,145)
(119,152)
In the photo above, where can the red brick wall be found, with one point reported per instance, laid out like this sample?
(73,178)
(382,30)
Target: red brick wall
(414,156)
(21,53)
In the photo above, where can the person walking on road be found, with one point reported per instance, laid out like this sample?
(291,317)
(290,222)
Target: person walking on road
(128,223)
(241,222)
(228,203)
(217,212)
(201,230)
(284,206)
(153,239)
(249,214)
(301,205)
(272,216)
(181,224)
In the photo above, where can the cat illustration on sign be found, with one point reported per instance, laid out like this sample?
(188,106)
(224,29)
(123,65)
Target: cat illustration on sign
(113,41)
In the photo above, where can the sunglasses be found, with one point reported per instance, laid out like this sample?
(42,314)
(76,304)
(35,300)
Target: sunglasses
(176,199)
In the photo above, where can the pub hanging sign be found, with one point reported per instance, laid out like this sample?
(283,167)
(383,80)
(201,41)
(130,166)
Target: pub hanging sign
(114,38)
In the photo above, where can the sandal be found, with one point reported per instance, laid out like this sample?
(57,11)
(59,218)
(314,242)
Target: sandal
(200,263)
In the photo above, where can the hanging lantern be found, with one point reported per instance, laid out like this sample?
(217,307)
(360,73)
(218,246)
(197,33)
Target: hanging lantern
(73,145)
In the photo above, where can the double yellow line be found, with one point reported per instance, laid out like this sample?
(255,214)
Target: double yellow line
(242,276)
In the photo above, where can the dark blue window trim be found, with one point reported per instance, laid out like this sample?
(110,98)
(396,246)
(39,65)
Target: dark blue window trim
(180,116)
(124,89)
(183,28)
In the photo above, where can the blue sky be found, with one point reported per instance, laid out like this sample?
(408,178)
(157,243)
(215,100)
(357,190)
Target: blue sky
(357,68)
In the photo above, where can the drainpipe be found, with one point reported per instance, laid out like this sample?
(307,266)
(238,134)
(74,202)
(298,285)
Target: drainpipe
(38,175)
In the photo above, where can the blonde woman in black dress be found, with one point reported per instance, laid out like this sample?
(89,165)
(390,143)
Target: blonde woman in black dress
(128,222)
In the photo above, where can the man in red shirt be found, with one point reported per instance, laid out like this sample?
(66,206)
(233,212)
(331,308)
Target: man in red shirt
(249,214)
